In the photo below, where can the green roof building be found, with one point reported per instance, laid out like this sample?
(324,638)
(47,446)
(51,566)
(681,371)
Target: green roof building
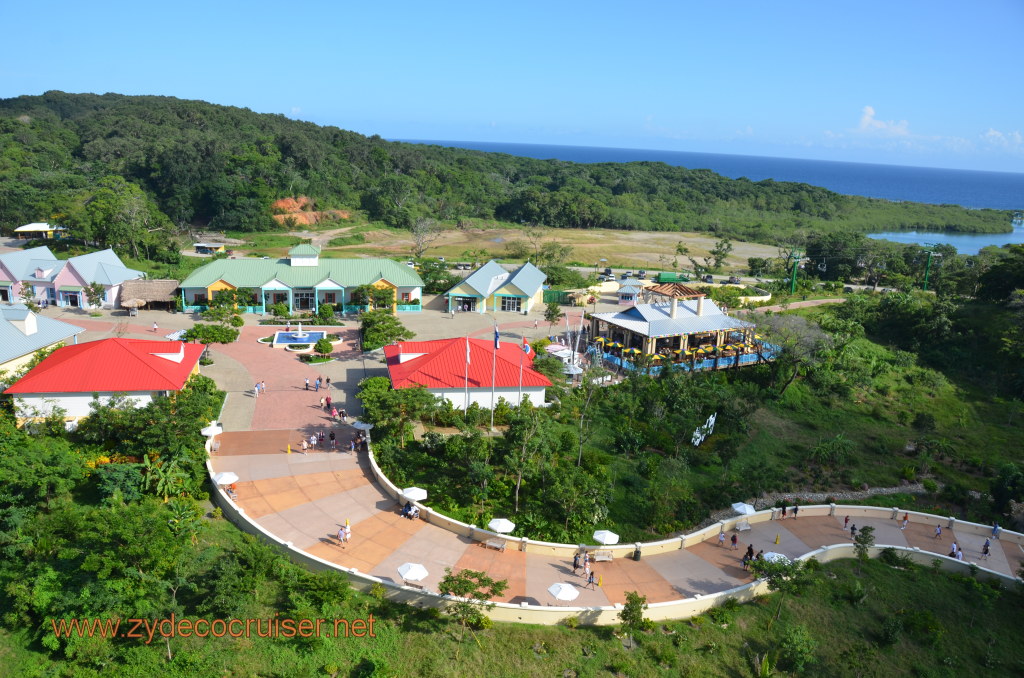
(303,281)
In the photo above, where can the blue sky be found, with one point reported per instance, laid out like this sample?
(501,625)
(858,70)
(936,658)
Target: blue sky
(933,83)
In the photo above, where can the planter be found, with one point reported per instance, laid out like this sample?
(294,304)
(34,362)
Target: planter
(299,348)
(266,340)
(315,359)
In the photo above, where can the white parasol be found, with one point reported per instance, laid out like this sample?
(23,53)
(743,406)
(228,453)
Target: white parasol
(361,426)
(743,509)
(563,591)
(774,557)
(606,537)
(225,478)
(413,572)
(415,493)
(502,525)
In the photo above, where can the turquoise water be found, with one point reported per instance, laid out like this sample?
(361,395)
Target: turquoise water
(965,243)
(290,338)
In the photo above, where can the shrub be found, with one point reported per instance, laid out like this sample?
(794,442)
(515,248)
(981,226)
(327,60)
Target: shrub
(930,486)
(892,629)
(572,622)
(797,647)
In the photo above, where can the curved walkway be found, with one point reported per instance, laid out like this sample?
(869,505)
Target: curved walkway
(305,498)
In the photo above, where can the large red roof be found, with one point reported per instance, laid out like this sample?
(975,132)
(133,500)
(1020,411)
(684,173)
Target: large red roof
(443,364)
(112,365)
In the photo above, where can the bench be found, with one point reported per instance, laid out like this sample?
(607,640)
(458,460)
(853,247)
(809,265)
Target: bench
(601,555)
(498,544)
(742,525)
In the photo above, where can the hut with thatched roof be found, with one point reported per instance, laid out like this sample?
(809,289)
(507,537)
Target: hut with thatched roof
(149,293)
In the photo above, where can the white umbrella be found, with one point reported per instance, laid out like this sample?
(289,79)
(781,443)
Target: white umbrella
(225,478)
(501,525)
(743,509)
(773,557)
(572,369)
(562,591)
(175,336)
(361,426)
(606,537)
(212,430)
(413,572)
(415,493)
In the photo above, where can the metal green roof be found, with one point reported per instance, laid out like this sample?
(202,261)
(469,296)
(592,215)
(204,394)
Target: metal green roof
(304,250)
(69,288)
(259,272)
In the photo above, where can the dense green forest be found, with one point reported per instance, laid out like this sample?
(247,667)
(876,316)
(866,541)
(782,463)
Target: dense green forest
(125,171)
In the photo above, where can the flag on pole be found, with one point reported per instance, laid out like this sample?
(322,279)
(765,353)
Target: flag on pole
(496,339)
(467,350)
(526,346)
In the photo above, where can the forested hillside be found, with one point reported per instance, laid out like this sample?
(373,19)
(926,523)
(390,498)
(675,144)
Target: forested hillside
(155,164)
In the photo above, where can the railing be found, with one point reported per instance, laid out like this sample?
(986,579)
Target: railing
(403,308)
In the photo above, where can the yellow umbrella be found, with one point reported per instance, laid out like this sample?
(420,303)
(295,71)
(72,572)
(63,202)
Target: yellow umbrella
(600,340)
(654,356)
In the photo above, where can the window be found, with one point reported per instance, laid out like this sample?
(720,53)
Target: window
(511,304)
(200,298)
(406,297)
(330,297)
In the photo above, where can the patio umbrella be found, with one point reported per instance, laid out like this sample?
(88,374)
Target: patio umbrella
(502,525)
(774,557)
(606,537)
(743,509)
(572,369)
(563,591)
(133,303)
(654,356)
(361,426)
(225,478)
(415,493)
(413,572)
(600,340)
(632,351)
(212,430)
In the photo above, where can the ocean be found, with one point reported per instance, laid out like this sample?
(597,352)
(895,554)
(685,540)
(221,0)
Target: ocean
(996,190)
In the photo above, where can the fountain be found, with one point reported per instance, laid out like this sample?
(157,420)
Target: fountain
(297,337)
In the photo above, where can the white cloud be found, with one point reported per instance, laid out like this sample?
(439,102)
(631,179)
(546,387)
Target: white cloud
(869,124)
(1013,141)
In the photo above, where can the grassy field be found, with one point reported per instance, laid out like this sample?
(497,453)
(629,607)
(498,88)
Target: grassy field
(880,621)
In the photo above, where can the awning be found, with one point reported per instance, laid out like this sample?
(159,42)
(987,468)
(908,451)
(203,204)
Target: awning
(5,283)
(69,288)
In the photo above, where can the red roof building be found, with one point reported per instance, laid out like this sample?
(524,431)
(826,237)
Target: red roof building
(449,368)
(70,376)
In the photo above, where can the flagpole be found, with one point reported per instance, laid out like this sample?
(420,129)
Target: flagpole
(521,369)
(494,363)
(465,407)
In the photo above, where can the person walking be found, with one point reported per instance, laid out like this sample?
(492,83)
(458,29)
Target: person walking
(796,508)
(305,445)
(996,530)
(322,437)
(959,555)
(155,328)
(575,562)
(341,536)
(321,402)
(846,522)
(906,521)
(735,542)
(328,384)
(985,550)
(348,532)
(721,539)
(328,401)
(307,383)
(938,531)
(334,440)
(955,548)
(853,531)
(256,390)
(318,384)
(344,416)
(334,413)
(750,552)
(590,578)
(783,511)
(745,562)
(586,569)
(263,387)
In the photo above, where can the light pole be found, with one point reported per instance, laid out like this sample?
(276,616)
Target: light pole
(494,362)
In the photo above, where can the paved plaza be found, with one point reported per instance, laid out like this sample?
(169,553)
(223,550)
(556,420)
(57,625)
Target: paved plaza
(305,498)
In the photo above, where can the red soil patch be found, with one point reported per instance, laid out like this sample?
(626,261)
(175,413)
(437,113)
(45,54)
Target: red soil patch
(298,212)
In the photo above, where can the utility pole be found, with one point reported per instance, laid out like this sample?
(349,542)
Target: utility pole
(927,268)
(796,260)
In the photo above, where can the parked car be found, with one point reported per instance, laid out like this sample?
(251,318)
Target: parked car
(623,276)
(608,271)
(607,278)
(734,280)
(708,279)
(642,274)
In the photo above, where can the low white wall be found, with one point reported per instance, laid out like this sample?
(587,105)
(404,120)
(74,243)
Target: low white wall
(76,405)
(608,614)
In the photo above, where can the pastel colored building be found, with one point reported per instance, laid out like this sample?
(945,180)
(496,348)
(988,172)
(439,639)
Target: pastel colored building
(39,230)
(493,288)
(59,282)
(303,281)
(459,371)
(70,377)
(22,333)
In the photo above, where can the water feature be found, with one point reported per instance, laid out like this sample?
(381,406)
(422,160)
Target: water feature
(298,337)
(965,243)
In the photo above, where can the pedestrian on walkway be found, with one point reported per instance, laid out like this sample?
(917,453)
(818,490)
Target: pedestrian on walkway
(906,521)
(323,437)
(305,445)
(783,511)
(155,328)
(334,413)
(307,383)
(535,323)
(590,577)
(352,446)
(334,440)
(955,548)
(985,551)
(328,385)
(996,530)
(348,532)
(327,400)
(721,539)
(575,562)
(938,531)
(735,542)
(744,562)
(846,522)
(959,555)
(318,384)
(750,552)
(341,536)
(321,402)
(263,388)
(312,441)
(853,531)
(796,508)
(344,416)
(256,390)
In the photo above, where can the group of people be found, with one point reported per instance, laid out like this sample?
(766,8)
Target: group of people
(259,389)
(796,510)
(588,571)
(345,534)
(409,511)
(320,381)
(749,556)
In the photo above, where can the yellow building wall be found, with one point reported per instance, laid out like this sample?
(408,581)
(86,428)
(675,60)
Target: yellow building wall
(218,286)
(15,364)
(383,284)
